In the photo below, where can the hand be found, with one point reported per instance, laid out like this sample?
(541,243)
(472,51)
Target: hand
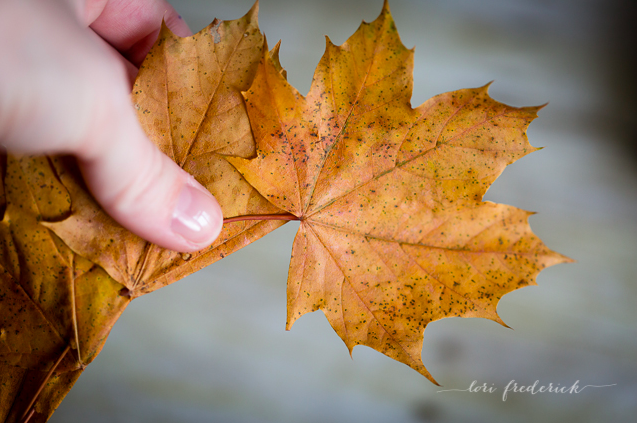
(66,68)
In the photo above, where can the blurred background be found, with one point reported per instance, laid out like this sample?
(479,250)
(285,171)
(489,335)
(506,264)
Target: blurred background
(212,347)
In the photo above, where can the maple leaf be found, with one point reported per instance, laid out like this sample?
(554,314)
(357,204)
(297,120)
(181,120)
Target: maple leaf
(394,233)
(56,307)
(188,97)
(59,299)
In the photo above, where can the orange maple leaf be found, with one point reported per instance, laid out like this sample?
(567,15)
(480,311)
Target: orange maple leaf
(394,233)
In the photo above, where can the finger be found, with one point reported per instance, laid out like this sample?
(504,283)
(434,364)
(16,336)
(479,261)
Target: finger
(132,26)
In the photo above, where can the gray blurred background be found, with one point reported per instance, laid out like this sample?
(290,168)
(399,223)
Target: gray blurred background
(212,347)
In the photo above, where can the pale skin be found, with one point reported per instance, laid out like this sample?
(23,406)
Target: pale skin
(66,69)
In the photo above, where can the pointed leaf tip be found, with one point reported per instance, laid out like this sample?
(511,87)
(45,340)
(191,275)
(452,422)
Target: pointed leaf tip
(385,8)
(274,56)
(253,13)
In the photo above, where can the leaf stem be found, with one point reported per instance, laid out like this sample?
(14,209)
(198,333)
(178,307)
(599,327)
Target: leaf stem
(284,216)
(26,416)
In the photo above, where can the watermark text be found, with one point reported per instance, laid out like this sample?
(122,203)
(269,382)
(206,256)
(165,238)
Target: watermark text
(533,389)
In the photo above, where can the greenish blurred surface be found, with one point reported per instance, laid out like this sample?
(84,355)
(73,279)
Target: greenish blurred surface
(212,347)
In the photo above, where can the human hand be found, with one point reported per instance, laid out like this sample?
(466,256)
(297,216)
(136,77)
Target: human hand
(66,68)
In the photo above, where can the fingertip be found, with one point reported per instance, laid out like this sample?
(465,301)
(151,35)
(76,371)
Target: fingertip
(174,212)
(197,216)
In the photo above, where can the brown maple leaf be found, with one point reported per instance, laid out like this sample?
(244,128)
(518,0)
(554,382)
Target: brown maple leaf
(56,307)
(58,304)
(188,97)
(394,233)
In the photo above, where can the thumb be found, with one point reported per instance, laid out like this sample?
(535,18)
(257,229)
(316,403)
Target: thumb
(144,190)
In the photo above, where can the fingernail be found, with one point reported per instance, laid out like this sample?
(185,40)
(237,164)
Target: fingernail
(196,216)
